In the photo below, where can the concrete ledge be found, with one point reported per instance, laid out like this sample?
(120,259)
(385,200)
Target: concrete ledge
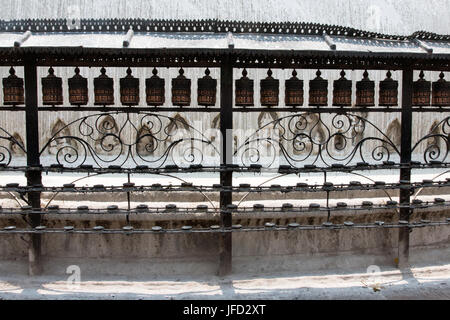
(255,252)
(195,196)
(205,219)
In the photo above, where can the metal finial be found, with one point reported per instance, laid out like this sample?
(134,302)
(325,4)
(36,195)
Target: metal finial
(129,71)
(12,71)
(366,75)
(154,71)
(181,71)
(51,71)
(318,73)
(103,71)
(441,75)
(207,72)
(389,74)
(244,72)
(269,72)
(421,74)
(294,73)
(77,70)
(342,73)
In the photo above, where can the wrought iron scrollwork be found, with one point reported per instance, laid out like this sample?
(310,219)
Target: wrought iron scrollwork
(436,142)
(307,138)
(7,151)
(117,138)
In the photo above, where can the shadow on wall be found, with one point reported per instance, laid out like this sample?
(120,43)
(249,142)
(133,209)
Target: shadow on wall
(61,137)
(14,147)
(394,133)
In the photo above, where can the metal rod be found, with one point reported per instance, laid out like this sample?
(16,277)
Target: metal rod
(226,126)
(291,170)
(212,211)
(127,109)
(229,230)
(405,157)
(342,110)
(128,198)
(24,37)
(230,40)
(33,177)
(329,41)
(424,46)
(128,38)
(225,190)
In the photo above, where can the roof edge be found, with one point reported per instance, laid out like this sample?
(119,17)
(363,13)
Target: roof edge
(201,26)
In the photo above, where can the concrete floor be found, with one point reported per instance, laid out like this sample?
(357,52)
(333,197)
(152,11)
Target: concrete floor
(428,280)
(417,282)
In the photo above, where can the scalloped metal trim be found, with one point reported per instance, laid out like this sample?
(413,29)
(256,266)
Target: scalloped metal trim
(215,26)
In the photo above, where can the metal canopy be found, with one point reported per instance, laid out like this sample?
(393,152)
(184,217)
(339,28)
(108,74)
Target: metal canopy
(177,40)
(59,36)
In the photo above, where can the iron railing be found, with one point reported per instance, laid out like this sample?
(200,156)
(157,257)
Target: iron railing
(96,144)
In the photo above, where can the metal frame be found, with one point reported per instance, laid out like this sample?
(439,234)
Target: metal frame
(226,60)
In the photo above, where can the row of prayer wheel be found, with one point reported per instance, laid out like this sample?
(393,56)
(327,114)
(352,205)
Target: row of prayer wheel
(342,91)
(52,92)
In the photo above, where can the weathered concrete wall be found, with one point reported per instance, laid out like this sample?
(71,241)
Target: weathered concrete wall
(197,253)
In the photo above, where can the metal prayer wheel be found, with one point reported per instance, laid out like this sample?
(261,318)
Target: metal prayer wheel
(181,90)
(365,91)
(441,92)
(103,89)
(388,91)
(421,91)
(13,93)
(293,94)
(318,91)
(206,90)
(154,90)
(78,89)
(342,91)
(129,89)
(269,90)
(244,91)
(52,93)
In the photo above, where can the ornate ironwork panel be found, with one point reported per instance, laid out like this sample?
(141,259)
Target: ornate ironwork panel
(317,139)
(124,139)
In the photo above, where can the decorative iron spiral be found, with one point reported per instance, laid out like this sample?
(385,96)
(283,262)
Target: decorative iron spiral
(100,140)
(308,138)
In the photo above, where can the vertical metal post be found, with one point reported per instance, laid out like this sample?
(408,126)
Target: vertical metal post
(405,158)
(33,177)
(226,126)
(128,200)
